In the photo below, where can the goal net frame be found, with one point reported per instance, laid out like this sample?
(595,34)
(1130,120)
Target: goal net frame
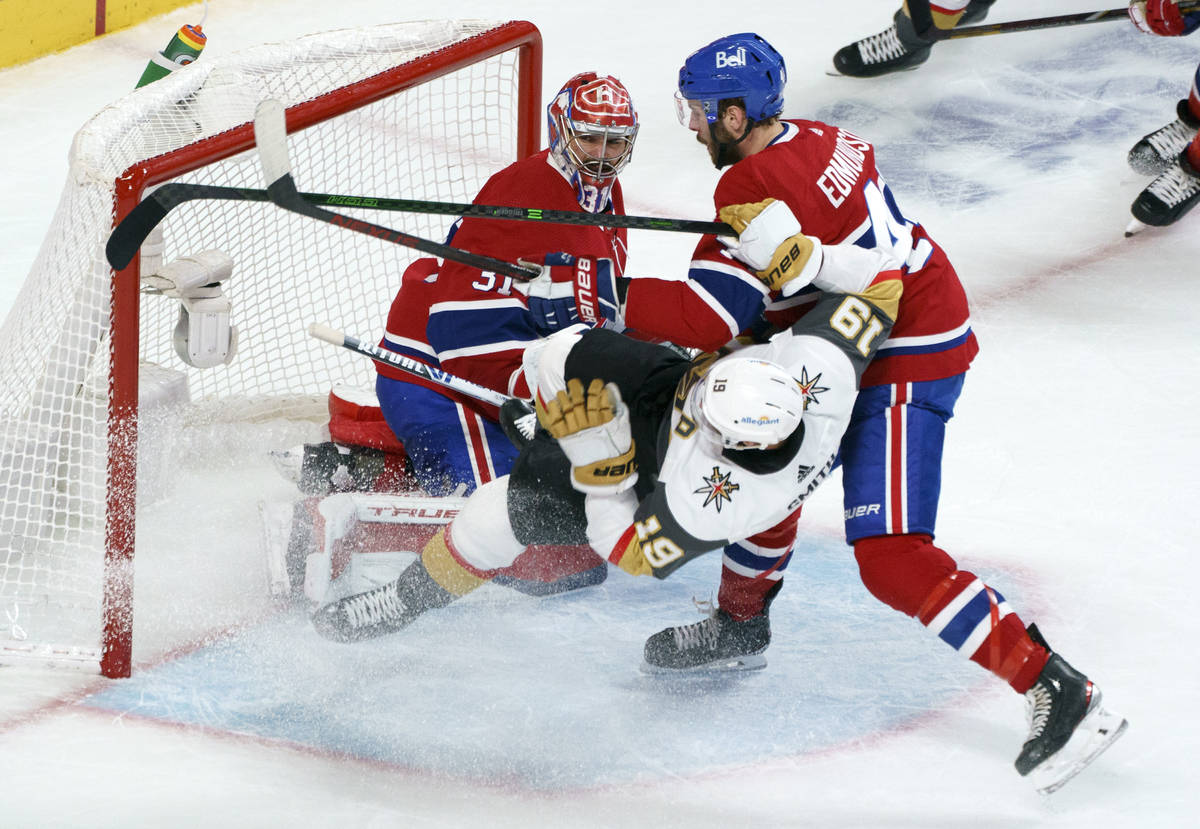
(125,298)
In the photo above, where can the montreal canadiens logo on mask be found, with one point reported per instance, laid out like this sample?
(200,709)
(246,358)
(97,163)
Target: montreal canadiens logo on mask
(601,98)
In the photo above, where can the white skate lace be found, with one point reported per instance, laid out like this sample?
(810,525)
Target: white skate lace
(702,634)
(1169,141)
(882,47)
(373,606)
(1039,701)
(1174,186)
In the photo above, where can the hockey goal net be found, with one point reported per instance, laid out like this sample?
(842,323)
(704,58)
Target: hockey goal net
(94,400)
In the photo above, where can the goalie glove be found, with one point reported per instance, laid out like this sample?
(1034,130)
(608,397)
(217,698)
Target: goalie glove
(592,427)
(770,243)
(573,289)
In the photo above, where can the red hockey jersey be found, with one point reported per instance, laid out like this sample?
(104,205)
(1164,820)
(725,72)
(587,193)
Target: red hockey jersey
(828,178)
(474,323)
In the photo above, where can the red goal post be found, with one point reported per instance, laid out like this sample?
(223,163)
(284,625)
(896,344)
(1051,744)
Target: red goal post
(423,110)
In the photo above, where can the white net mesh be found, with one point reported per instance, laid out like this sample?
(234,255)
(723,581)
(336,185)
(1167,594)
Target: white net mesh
(438,141)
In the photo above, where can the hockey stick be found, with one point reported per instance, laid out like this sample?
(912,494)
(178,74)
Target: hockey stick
(526,424)
(407,364)
(127,237)
(929,31)
(270,133)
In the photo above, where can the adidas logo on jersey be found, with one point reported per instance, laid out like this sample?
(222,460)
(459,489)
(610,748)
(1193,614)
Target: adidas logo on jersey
(737,58)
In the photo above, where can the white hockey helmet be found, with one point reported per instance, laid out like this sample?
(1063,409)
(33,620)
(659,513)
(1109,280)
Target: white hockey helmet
(746,403)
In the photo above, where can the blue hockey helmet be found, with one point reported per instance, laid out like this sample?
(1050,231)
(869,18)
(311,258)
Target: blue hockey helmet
(736,66)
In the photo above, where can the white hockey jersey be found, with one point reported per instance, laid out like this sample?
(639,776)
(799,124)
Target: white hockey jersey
(706,497)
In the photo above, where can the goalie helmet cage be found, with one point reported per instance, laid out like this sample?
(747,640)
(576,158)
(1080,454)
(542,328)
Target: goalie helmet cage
(423,110)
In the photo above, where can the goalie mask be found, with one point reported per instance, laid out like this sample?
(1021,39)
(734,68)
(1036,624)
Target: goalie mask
(746,403)
(592,126)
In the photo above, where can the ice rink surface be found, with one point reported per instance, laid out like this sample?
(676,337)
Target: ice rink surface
(1069,483)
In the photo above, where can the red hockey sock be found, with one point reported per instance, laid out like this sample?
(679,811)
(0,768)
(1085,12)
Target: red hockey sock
(743,597)
(549,563)
(910,574)
(1193,153)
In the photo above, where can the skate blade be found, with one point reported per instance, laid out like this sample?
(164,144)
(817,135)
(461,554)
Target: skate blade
(751,662)
(1134,227)
(1095,733)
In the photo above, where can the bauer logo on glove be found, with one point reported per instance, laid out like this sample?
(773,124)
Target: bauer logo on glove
(592,428)
(770,244)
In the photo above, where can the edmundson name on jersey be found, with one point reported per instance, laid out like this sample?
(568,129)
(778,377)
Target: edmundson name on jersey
(837,179)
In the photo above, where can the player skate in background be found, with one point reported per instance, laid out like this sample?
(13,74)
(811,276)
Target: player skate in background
(1171,153)
(476,324)
(901,46)
(630,429)
(732,95)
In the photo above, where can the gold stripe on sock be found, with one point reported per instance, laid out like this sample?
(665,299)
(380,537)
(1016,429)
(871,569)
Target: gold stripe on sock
(445,569)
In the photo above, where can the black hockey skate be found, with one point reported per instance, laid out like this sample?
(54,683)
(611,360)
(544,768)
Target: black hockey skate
(1157,151)
(717,643)
(1068,728)
(1168,197)
(384,609)
(897,47)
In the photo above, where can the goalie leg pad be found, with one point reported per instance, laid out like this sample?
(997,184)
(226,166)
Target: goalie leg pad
(356,419)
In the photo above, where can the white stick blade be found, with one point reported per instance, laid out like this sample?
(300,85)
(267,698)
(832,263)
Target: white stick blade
(270,133)
(326,333)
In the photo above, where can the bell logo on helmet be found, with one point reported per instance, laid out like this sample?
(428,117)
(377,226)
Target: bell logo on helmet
(737,58)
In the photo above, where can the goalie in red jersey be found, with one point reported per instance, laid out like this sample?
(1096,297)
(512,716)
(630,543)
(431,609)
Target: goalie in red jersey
(476,325)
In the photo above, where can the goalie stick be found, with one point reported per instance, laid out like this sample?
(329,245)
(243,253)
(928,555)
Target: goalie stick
(526,424)
(270,134)
(129,234)
(923,22)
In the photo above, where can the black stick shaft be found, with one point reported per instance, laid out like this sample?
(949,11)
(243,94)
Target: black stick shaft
(1038,23)
(128,236)
(283,192)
